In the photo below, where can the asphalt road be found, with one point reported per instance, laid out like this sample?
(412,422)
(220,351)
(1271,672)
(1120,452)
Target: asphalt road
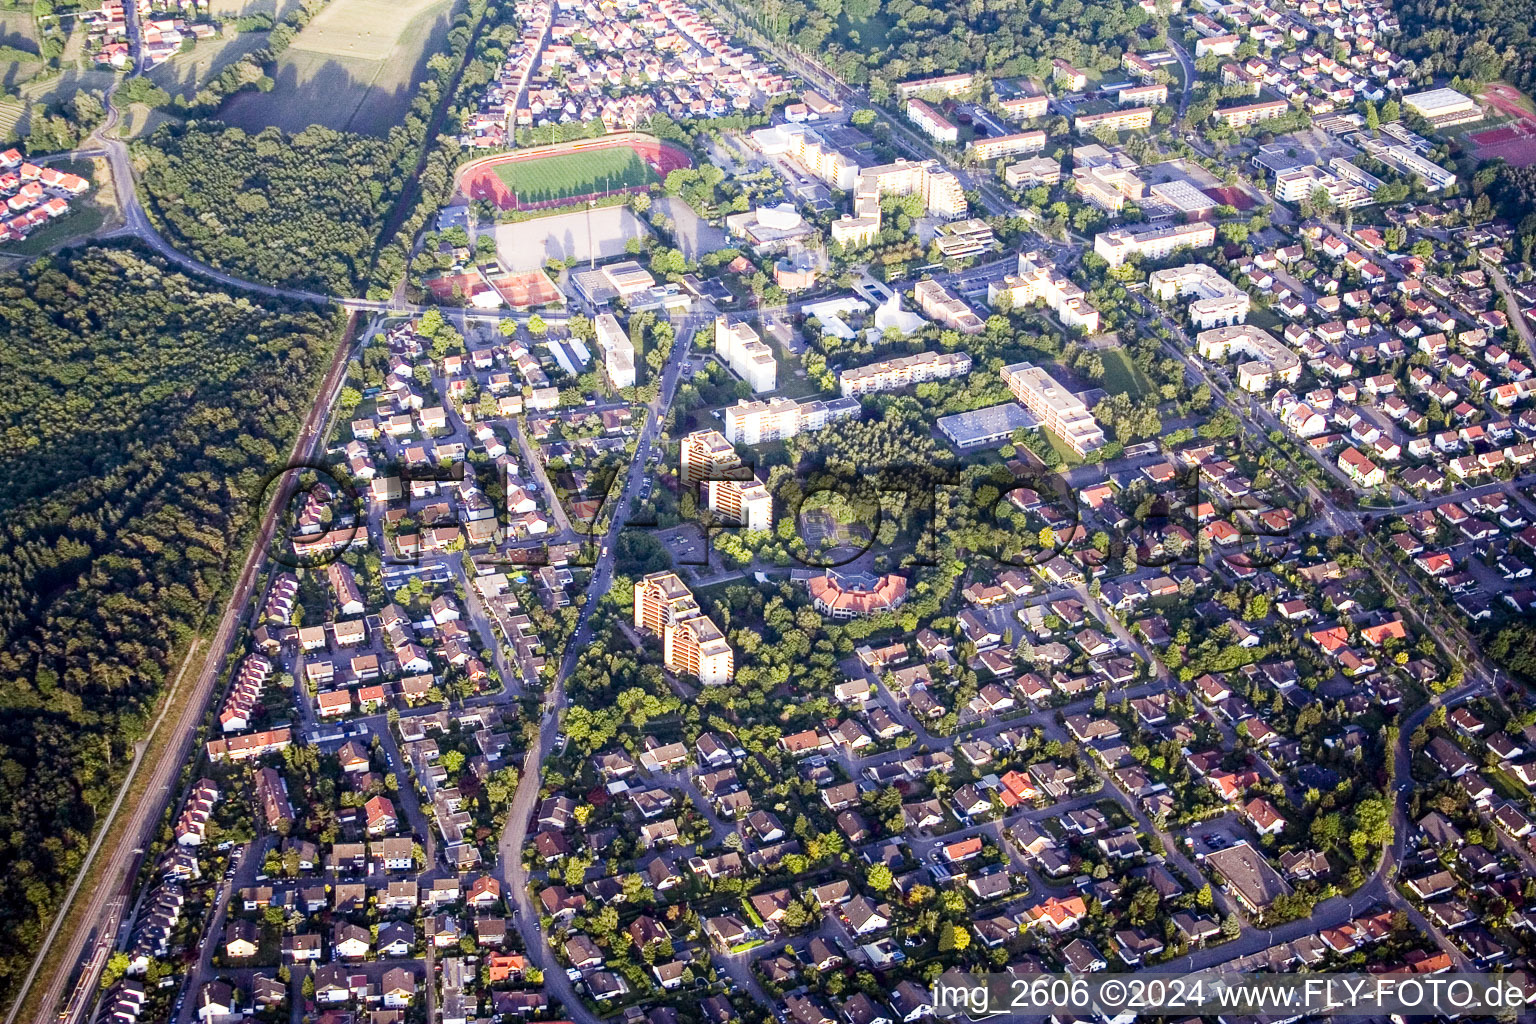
(509,867)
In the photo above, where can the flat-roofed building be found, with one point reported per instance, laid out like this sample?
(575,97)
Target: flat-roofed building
(943,308)
(1006,145)
(1039,170)
(936,125)
(940,189)
(779,418)
(691,642)
(1057,409)
(1443,107)
(618,351)
(1269,360)
(890,374)
(1215,302)
(1121,244)
(990,425)
(1038,281)
(746,353)
(1250,113)
(960,239)
(746,502)
(705,455)
(1124,119)
(1108,186)
(1295,184)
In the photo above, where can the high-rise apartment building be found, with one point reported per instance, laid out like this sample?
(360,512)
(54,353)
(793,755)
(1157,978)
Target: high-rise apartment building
(691,642)
(746,353)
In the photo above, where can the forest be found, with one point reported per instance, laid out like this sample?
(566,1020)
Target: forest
(304,211)
(1480,40)
(140,411)
(880,42)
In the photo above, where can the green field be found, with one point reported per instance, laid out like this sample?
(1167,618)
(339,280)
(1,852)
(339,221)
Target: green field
(1121,375)
(185,73)
(575,174)
(353,68)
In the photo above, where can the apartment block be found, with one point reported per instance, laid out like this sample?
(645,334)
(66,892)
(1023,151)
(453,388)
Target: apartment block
(940,189)
(705,455)
(1295,184)
(890,374)
(779,418)
(1268,359)
(618,351)
(739,345)
(945,309)
(1136,95)
(691,642)
(1126,119)
(746,502)
(1007,145)
(1057,409)
(1038,281)
(1070,77)
(947,85)
(1039,170)
(1216,302)
(1121,244)
(1108,186)
(1025,107)
(1250,113)
(934,124)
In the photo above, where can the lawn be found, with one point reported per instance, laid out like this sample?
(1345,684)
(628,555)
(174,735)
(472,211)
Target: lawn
(566,175)
(185,73)
(1121,375)
(353,68)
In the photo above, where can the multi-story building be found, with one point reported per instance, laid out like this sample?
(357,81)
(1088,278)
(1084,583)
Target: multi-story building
(1037,280)
(746,502)
(943,308)
(1250,113)
(935,124)
(940,189)
(1295,184)
(746,353)
(1108,185)
(947,85)
(1121,244)
(890,374)
(705,455)
(691,642)
(1216,301)
(1057,409)
(1006,145)
(1143,95)
(961,239)
(779,418)
(1026,106)
(1071,78)
(1039,170)
(1125,119)
(729,488)
(1269,360)
(618,351)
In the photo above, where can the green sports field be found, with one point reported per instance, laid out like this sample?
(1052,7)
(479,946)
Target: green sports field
(565,175)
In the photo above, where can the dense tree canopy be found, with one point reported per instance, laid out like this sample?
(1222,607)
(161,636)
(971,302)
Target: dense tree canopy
(303,210)
(140,412)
